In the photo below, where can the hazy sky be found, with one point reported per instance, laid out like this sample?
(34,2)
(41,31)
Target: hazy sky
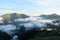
(30,7)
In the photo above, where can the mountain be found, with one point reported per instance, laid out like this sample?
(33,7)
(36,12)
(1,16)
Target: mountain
(52,16)
(12,16)
(6,17)
(23,16)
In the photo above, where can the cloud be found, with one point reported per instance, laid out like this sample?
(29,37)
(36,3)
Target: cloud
(51,11)
(4,11)
(29,7)
(47,6)
(46,3)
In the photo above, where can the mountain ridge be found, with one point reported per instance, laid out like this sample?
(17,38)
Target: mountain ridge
(13,16)
(51,16)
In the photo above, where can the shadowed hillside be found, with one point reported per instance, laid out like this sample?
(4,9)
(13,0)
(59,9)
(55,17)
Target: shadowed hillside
(52,16)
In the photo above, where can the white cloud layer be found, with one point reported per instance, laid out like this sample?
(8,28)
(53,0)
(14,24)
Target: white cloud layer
(49,3)
(47,6)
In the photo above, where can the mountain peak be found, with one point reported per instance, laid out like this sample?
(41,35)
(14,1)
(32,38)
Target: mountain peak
(51,16)
(54,14)
(11,16)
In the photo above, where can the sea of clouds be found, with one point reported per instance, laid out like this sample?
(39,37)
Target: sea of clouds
(28,23)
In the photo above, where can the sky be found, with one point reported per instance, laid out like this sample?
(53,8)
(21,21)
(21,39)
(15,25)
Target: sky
(30,7)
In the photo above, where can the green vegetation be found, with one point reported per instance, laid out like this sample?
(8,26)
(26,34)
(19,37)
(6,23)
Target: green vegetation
(41,35)
(7,17)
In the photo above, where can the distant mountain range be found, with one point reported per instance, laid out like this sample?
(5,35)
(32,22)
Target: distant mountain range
(52,16)
(12,16)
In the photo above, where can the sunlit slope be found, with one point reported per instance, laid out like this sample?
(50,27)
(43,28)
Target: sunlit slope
(8,16)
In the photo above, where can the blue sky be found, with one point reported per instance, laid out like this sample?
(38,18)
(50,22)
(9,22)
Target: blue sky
(30,7)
